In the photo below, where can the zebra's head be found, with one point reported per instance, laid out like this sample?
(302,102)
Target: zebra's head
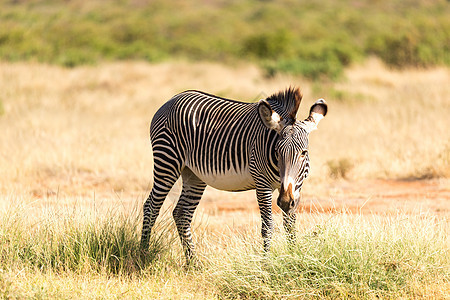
(292,145)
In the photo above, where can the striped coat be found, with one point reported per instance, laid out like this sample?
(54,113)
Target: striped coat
(231,146)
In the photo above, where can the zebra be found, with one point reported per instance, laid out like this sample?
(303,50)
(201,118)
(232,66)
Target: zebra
(232,146)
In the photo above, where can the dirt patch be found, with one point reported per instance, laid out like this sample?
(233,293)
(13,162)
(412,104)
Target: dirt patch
(366,197)
(358,197)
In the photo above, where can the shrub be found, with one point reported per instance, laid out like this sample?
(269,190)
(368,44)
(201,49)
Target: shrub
(267,44)
(405,45)
(312,69)
(315,39)
(339,168)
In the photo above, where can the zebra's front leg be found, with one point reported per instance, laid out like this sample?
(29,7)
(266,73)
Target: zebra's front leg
(264,196)
(191,194)
(289,227)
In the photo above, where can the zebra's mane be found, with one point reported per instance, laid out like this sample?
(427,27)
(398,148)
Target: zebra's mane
(286,103)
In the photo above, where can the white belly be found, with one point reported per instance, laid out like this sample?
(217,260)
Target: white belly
(230,181)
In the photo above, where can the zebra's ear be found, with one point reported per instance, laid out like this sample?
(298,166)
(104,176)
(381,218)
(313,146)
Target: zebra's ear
(317,112)
(269,117)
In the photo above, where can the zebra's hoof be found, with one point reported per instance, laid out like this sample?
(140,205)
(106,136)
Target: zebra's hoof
(193,264)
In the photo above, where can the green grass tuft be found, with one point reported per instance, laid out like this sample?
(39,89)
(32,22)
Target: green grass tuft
(345,257)
(109,243)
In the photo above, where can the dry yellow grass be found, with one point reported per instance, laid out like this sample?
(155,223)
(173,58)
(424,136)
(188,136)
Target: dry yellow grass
(399,126)
(84,130)
(81,135)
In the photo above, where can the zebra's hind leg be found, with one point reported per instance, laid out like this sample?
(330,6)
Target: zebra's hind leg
(161,186)
(192,192)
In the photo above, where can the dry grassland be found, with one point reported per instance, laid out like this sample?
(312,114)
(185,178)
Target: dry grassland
(77,140)
(83,132)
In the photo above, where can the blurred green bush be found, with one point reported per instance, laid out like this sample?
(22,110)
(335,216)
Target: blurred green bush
(314,39)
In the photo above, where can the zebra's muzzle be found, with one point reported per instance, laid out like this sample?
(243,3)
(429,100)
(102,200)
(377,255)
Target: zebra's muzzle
(286,200)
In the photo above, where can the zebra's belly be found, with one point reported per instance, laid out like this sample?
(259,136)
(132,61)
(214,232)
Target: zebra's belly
(229,181)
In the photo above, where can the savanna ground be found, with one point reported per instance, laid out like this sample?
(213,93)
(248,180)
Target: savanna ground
(76,166)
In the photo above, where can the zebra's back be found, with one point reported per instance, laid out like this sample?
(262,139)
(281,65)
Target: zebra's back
(214,136)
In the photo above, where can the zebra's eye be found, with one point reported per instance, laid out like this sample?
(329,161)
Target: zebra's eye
(285,134)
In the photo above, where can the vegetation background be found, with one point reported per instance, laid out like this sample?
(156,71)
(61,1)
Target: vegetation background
(80,81)
(313,39)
